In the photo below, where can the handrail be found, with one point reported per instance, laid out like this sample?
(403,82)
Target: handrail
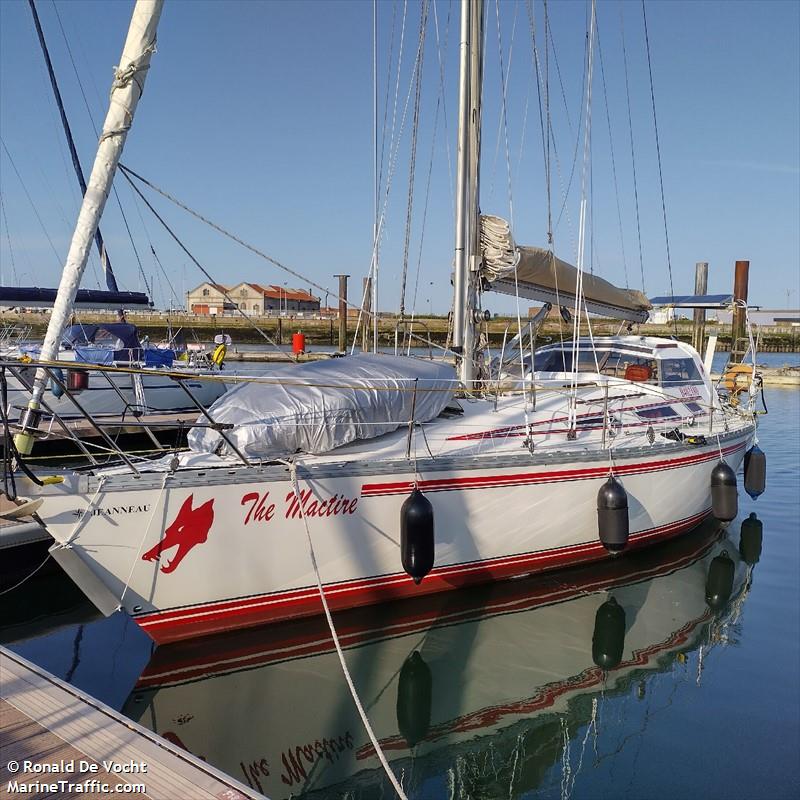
(16,372)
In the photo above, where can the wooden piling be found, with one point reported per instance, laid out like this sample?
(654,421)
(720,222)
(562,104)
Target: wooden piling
(700,288)
(738,332)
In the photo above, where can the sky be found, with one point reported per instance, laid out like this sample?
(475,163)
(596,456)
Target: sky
(260,116)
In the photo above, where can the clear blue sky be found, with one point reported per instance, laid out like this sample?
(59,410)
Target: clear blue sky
(259,114)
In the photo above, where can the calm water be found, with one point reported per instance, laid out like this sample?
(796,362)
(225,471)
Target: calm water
(494,692)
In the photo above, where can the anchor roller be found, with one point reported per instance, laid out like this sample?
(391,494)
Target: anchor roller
(416,535)
(755,471)
(612,515)
(724,496)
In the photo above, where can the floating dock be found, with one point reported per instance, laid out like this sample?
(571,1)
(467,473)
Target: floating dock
(59,742)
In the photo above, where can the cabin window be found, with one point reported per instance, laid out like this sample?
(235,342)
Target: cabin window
(679,371)
(561,361)
(695,408)
(661,412)
(641,369)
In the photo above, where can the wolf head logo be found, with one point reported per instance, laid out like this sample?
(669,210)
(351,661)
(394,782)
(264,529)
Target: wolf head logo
(189,529)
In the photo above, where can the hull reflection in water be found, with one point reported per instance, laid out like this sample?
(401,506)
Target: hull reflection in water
(476,690)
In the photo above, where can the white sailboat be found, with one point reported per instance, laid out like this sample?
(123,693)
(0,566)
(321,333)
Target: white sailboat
(425,481)
(112,374)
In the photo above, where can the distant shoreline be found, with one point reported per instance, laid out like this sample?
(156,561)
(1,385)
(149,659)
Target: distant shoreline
(325,331)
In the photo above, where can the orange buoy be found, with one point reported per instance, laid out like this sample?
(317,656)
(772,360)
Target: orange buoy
(298,343)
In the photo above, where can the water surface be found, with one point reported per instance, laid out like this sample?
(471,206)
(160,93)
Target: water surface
(648,677)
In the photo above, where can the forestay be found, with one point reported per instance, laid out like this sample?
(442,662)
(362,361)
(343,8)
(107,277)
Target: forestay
(316,407)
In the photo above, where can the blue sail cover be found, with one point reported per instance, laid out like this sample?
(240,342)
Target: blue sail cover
(78,335)
(104,344)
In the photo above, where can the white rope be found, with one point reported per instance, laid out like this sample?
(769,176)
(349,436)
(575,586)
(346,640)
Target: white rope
(363,714)
(582,220)
(27,577)
(144,537)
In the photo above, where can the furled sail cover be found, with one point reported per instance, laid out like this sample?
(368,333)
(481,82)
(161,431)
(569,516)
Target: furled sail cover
(542,276)
(318,406)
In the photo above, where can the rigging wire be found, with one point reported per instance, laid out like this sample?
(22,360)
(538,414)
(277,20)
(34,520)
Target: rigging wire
(658,153)
(443,97)
(8,237)
(30,200)
(582,224)
(504,91)
(547,130)
(423,21)
(613,160)
(439,105)
(392,166)
(156,259)
(504,76)
(97,133)
(400,52)
(202,269)
(630,131)
(130,174)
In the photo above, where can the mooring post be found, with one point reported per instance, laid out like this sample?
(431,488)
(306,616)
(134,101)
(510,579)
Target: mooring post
(700,288)
(740,282)
(342,311)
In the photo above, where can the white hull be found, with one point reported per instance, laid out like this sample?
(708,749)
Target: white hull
(524,652)
(234,545)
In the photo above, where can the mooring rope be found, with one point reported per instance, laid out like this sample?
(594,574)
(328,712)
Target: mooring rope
(27,577)
(363,714)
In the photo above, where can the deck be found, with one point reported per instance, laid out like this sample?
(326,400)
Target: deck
(46,724)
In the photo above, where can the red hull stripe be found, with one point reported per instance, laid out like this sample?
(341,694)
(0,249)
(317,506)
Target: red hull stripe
(532,478)
(182,623)
(500,433)
(243,653)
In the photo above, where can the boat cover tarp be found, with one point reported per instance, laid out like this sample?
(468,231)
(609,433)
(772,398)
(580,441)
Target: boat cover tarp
(158,357)
(94,355)
(318,406)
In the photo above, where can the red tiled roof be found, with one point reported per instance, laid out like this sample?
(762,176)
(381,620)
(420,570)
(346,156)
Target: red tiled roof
(279,293)
(272,291)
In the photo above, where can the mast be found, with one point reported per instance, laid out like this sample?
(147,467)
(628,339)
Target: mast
(105,261)
(467,257)
(376,188)
(126,91)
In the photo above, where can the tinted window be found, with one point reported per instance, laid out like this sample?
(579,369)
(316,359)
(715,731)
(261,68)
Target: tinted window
(662,412)
(679,370)
(561,361)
